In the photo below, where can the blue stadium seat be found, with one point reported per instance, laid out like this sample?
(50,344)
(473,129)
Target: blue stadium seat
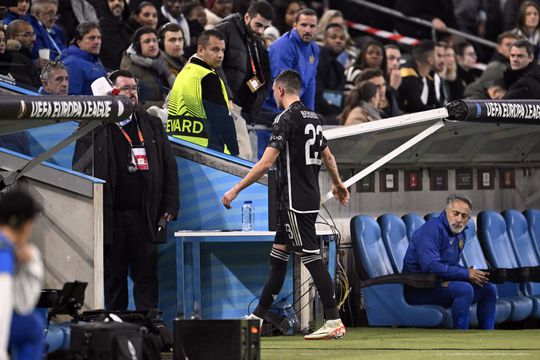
(431,215)
(472,255)
(500,254)
(533,222)
(394,235)
(383,292)
(518,232)
(412,222)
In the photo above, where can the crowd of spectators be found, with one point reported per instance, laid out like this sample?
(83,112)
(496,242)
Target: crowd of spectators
(155,39)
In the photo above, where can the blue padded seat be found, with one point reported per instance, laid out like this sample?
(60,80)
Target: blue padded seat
(412,222)
(518,232)
(500,254)
(431,215)
(533,223)
(385,302)
(394,235)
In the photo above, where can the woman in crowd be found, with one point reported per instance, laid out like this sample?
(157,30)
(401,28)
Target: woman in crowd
(528,23)
(361,105)
(371,56)
(144,15)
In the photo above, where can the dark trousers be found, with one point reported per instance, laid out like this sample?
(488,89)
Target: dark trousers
(460,295)
(131,252)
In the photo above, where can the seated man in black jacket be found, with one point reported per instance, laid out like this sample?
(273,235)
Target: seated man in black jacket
(21,39)
(523,78)
(330,74)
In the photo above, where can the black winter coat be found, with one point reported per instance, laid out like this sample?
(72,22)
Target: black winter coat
(161,193)
(524,83)
(237,67)
(116,39)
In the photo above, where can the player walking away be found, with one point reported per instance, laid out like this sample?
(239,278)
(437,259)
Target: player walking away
(299,147)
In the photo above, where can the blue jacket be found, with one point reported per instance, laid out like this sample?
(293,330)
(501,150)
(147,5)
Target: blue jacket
(10,16)
(435,249)
(83,69)
(54,40)
(290,52)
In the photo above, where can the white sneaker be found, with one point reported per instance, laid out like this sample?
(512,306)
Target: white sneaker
(254,317)
(331,329)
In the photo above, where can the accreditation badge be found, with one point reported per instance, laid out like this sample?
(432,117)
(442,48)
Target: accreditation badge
(311,59)
(254,84)
(140,158)
(461,244)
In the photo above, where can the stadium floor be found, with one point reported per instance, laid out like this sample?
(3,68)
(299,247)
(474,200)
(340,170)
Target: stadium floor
(387,343)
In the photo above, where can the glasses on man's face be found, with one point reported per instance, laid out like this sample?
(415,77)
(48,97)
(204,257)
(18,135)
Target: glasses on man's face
(49,14)
(28,34)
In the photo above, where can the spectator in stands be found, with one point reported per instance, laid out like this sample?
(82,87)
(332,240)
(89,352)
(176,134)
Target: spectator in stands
(48,34)
(436,248)
(246,65)
(72,13)
(450,72)
(495,69)
(371,56)
(417,90)
(439,12)
(171,45)
(523,78)
(143,60)
(361,104)
(286,12)
(329,96)
(21,277)
(528,23)
(346,58)
(442,92)
(139,195)
(82,59)
(393,62)
(21,40)
(145,14)
(118,33)
(197,21)
(172,11)
(5,57)
(55,79)
(198,104)
(217,10)
(388,104)
(466,71)
(19,12)
(298,51)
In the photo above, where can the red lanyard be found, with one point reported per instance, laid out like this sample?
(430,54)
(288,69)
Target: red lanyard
(253,67)
(141,139)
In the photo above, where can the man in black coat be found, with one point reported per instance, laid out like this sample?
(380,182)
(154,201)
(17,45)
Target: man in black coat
(20,41)
(246,66)
(140,196)
(116,33)
(523,78)
(330,75)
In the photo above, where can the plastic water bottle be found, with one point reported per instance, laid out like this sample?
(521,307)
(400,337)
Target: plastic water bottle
(248,216)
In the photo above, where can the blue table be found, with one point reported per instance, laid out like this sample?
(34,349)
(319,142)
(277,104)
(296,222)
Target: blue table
(192,241)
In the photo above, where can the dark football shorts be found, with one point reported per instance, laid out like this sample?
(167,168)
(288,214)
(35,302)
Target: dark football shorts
(297,231)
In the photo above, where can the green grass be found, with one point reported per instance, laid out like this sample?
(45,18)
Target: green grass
(409,344)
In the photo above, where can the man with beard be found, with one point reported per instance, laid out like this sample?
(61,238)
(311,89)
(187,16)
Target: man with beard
(118,33)
(140,196)
(144,61)
(330,74)
(436,248)
(20,41)
(246,66)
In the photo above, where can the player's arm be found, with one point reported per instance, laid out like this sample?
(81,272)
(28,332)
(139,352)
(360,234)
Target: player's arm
(261,167)
(338,188)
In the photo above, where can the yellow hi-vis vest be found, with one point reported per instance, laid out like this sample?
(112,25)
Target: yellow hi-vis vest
(186,118)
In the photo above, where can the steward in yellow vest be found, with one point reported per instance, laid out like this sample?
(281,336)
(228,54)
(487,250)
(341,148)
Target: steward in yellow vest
(198,104)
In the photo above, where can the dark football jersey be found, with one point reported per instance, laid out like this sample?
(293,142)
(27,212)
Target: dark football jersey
(297,133)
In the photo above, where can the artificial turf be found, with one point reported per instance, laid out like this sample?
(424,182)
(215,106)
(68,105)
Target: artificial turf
(388,343)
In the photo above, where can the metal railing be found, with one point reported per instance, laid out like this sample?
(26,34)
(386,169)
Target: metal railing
(423,22)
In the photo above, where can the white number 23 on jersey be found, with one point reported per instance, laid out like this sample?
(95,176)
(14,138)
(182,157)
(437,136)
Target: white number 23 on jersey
(315,134)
